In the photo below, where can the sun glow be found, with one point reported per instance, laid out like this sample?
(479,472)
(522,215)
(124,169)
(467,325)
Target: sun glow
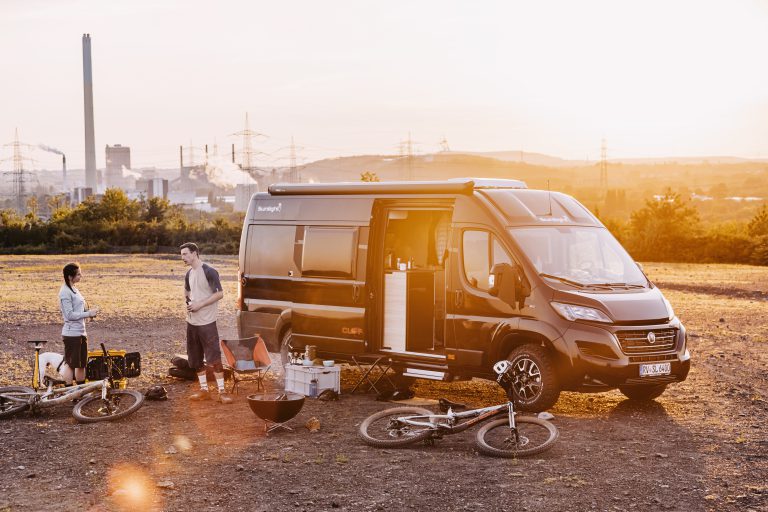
(131,488)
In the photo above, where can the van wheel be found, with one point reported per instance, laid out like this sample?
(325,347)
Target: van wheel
(534,386)
(643,392)
(285,346)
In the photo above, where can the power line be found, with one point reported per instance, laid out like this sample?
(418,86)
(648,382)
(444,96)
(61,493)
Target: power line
(247,163)
(18,173)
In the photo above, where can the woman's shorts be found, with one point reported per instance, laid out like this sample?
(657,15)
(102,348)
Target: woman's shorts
(75,351)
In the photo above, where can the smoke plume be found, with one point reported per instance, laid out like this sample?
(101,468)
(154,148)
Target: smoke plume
(127,173)
(223,173)
(50,149)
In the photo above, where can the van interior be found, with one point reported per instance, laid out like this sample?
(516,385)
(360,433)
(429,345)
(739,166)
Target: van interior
(414,255)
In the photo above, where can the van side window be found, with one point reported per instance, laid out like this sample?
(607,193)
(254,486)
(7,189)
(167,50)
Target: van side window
(270,250)
(481,251)
(329,252)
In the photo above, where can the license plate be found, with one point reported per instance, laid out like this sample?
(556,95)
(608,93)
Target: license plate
(646,370)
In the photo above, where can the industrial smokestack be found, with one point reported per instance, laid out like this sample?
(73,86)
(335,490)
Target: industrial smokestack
(64,173)
(90,144)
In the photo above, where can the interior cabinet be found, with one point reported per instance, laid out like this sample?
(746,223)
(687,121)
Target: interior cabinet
(409,310)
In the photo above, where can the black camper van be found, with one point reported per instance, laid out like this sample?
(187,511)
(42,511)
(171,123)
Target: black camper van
(449,277)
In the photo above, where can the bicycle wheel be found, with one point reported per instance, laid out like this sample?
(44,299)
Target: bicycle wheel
(382,429)
(534,436)
(9,406)
(119,404)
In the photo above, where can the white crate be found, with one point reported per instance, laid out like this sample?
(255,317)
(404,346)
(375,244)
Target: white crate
(298,378)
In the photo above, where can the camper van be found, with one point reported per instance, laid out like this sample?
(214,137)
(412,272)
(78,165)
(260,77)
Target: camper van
(448,277)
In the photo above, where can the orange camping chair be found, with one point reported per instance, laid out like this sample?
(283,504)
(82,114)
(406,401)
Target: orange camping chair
(247,359)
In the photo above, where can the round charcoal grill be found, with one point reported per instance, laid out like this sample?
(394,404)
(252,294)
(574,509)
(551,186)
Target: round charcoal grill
(276,408)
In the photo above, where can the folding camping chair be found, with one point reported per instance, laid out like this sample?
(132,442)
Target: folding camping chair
(373,373)
(247,359)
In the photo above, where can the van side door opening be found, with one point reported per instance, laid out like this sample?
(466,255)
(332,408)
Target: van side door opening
(409,262)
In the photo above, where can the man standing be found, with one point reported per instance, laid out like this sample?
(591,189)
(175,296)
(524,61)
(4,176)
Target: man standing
(203,291)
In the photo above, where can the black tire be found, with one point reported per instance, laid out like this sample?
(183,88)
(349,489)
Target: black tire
(534,436)
(643,392)
(10,407)
(535,386)
(285,341)
(119,404)
(377,431)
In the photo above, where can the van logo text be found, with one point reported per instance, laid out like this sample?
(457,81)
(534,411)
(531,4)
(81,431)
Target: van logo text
(651,338)
(270,209)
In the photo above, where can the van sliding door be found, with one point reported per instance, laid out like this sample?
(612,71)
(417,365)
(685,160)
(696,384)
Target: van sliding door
(328,299)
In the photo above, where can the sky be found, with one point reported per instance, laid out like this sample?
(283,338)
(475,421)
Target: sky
(339,78)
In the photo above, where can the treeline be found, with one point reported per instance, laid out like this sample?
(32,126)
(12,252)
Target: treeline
(114,223)
(665,229)
(670,229)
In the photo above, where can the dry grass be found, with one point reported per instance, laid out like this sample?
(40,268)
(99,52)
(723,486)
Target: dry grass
(143,288)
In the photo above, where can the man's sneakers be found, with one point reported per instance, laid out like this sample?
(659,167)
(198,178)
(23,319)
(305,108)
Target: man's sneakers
(204,394)
(200,395)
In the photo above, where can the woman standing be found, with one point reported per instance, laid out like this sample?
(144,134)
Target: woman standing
(73,309)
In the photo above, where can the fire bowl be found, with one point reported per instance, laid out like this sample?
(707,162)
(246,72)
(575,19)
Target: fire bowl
(267,407)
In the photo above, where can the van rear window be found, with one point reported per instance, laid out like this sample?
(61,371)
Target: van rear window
(329,252)
(270,250)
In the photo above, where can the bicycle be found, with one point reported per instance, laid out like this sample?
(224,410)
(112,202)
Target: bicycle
(513,436)
(98,400)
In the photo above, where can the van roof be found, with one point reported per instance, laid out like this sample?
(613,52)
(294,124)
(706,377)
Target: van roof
(451,186)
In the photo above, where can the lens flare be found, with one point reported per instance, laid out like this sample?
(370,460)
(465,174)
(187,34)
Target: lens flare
(131,488)
(182,443)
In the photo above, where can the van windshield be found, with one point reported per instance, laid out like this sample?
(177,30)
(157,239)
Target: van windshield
(579,256)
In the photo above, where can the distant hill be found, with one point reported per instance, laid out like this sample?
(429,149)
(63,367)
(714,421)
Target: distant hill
(553,161)
(529,158)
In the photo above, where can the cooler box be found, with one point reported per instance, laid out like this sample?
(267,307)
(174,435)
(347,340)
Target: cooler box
(298,378)
(125,365)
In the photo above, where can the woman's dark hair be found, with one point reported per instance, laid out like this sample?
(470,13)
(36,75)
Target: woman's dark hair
(70,270)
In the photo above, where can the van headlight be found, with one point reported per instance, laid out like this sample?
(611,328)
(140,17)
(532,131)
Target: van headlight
(573,312)
(670,311)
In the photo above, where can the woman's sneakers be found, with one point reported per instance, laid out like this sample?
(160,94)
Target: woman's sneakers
(225,398)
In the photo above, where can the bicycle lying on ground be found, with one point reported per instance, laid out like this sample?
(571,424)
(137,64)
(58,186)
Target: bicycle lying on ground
(99,400)
(512,436)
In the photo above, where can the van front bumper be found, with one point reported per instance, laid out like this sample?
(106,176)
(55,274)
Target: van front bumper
(613,355)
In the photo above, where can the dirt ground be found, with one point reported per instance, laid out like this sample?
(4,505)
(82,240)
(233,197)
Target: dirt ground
(700,446)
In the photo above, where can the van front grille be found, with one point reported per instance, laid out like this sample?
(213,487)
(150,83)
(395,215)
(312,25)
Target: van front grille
(647,341)
(658,358)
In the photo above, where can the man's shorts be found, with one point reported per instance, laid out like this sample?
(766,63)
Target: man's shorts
(203,345)
(75,351)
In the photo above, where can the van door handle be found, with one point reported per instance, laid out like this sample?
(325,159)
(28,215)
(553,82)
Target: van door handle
(458,298)
(355,292)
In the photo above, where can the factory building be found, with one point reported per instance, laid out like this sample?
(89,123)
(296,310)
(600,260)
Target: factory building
(118,158)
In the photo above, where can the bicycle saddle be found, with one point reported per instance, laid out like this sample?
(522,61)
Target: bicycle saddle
(446,404)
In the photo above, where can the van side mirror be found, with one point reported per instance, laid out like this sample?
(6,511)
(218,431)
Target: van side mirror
(505,283)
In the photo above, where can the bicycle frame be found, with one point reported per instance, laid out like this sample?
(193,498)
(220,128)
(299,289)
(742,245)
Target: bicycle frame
(450,427)
(49,398)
